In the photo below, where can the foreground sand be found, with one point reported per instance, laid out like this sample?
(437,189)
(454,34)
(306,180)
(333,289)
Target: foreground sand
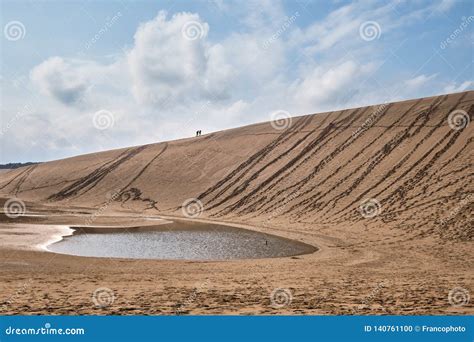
(413,277)
(304,183)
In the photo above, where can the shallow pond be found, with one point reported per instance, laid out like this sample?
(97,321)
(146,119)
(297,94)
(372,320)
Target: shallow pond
(178,240)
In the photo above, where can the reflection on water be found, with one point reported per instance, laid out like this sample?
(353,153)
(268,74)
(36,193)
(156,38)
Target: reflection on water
(179,241)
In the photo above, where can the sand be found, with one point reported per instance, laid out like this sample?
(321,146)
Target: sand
(305,183)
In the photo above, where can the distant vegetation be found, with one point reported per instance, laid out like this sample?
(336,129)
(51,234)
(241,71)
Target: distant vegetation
(15,165)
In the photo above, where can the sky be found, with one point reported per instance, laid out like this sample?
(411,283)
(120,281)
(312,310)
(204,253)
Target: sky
(86,76)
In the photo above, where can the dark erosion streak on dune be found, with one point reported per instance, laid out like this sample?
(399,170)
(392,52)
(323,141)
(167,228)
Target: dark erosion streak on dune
(275,175)
(23,175)
(245,167)
(245,192)
(324,139)
(302,157)
(89,181)
(318,171)
(144,168)
(125,194)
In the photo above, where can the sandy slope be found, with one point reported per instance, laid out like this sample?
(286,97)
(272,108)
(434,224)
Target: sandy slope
(306,182)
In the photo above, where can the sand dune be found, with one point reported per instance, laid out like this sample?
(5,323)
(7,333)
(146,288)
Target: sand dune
(317,171)
(385,191)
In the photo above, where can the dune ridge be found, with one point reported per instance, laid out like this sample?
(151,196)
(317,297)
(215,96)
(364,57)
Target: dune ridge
(318,170)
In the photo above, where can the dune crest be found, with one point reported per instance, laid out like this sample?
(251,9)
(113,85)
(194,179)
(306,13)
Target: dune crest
(404,160)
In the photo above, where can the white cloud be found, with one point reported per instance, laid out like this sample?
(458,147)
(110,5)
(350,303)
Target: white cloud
(165,65)
(454,88)
(166,86)
(418,81)
(76,82)
(323,84)
(61,79)
(167,69)
(325,34)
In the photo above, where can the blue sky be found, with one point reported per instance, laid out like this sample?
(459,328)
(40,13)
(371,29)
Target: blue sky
(83,76)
